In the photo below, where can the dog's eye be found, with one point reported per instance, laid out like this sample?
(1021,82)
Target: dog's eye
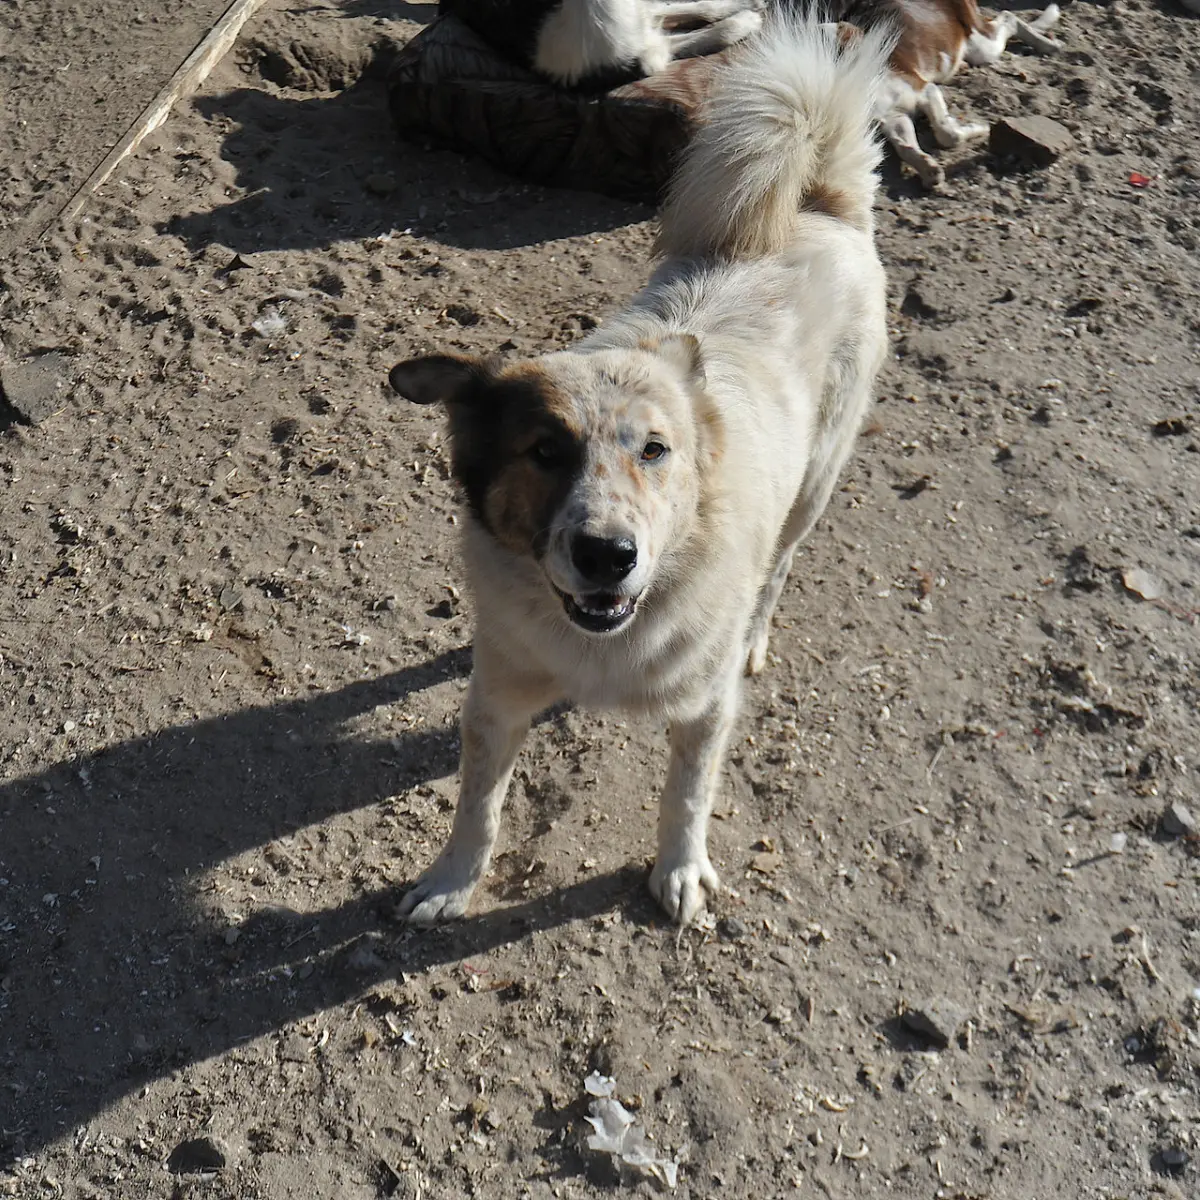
(653,451)
(547,452)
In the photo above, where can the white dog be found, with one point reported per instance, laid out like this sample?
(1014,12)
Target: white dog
(599,43)
(635,502)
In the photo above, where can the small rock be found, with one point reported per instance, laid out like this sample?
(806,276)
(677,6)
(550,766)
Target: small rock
(364,957)
(916,304)
(1177,820)
(1170,1160)
(463,314)
(35,389)
(1141,583)
(198,1155)
(380,183)
(1171,427)
(937,1020)
(731,929)
(1035,140)
(231,935)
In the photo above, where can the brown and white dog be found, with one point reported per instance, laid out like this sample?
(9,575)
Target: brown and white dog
(634,503)
(935,39)
(595,44)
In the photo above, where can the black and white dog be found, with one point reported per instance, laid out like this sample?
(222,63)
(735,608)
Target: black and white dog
(598,44)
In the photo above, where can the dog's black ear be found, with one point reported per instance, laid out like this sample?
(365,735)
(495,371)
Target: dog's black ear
(437,378)
(683,351)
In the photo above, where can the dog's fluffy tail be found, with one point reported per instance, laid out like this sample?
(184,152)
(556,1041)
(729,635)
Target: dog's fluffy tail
(788,127)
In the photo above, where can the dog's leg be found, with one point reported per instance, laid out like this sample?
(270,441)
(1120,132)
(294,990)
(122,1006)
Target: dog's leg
(849,397)
(683,874)
(495,719)
(986,45)
(701,10)
(901,135)
(1031,32)
(946,129)
(1046,19)
(768,601)
(718,36)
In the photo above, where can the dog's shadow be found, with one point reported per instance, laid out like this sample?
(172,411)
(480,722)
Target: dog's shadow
(311,171)
(114,967)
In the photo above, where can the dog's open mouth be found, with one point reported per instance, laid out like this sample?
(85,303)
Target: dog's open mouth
(599,612)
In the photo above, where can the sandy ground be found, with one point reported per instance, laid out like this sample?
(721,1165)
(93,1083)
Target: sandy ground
(232,651)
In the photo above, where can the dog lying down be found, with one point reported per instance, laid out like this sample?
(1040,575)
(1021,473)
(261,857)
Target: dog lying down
(934,39)
(634,502)
(592,44)
(598,44)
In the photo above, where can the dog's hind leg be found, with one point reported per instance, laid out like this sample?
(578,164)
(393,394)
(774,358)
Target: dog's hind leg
(846,401)
(708,11)
(986,45)
(1031,32)
(499,707)
(768,601)
(901,135)
(718,36)
(682,874)
(948,131)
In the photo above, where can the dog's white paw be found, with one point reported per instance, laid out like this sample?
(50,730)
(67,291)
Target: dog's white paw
(756,656)
(957,135)
(682,888)
(440,894)
(932,176)
(742,25)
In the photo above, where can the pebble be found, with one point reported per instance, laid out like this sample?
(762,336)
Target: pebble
(380,183)
(35,389)
(1177,820)
(198,1155)
(936,1019)
(1171,1160)
(1035,140)
(364,957)
(731,929)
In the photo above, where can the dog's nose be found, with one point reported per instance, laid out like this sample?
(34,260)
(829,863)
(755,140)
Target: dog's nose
(603,561)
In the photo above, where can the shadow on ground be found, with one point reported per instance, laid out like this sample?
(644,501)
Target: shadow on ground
(111,974)
(324,168)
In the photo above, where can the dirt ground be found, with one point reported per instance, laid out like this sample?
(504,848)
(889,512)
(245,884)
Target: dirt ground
(232,651)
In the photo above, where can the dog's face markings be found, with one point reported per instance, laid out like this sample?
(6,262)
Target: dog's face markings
(515,448)
(590,463)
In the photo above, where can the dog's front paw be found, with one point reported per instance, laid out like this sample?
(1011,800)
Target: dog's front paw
(681,888)
(440,894)
(957,135)
(932,176)
(743,25)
